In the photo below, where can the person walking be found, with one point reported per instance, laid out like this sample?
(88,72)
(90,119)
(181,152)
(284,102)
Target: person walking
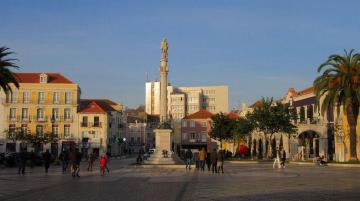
(282,158)
(103,161)
(196,159)
(32,159)
(72,160)
(220,162)
(208,161)
(47,159)
(78,157)
(22,161)
(188,157)
(90,161)
(202,157)
(64,158)
(277,158)
(214,159)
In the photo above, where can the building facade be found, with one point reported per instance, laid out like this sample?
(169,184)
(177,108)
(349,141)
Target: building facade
(195,131)
(44,105)
(183,101)
(315,133)
(101,127)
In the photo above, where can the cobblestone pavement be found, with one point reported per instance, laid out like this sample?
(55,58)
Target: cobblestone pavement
(240,182)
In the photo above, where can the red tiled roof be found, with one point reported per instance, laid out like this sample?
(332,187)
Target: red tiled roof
(96,105)
(53,78)
(308,90)
(92,107)
(202,114)
(233,115)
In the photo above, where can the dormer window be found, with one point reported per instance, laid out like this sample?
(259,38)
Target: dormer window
(43,78)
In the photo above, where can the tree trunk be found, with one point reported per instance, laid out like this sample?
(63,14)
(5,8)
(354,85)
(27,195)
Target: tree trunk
(352,121)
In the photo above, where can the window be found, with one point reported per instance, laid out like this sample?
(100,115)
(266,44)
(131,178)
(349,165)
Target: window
(24,113)
(203,124)
(41,97)
(96,121)
(39,130)
(55,113)
(56,97)
(14,97)
(132,140)
(55,130)
(12,130)
(12,113)
(185,136)
(192,124)
(192,136)
(67,97)
(203,137)
(66,130)
(24,129)
(84,121)
(138,140)
(43,78)
(67,114)
(40,113)
(26,97)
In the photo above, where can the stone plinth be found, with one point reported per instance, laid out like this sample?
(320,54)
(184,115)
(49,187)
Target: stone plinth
(162,142)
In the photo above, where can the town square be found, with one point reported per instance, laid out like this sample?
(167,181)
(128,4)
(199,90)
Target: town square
(194,100)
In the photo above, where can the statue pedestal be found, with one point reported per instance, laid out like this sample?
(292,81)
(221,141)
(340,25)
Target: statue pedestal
(162,142)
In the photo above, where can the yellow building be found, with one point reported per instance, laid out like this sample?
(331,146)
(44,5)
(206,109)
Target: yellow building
(44,104)
(100,125)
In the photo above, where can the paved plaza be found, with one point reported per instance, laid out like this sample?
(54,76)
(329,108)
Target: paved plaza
(129,182)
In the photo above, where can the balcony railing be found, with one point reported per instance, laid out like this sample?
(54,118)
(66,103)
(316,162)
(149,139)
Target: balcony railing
(91,124)
(65,119)
(36,101)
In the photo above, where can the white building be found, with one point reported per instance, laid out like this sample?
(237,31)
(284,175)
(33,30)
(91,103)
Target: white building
(183,101)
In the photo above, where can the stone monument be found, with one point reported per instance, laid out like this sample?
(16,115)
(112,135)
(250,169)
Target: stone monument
(163,135)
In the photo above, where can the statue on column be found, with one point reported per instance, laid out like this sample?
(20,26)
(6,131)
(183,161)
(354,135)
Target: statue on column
(164,48)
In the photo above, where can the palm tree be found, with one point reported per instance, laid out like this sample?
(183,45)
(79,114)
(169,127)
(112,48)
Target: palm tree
(339,84)
(6,75)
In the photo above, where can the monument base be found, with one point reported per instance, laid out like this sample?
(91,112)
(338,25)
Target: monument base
(162,142)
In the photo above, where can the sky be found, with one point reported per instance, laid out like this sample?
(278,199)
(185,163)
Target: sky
(259,48)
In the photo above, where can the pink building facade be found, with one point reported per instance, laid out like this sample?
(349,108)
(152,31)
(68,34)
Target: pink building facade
(195,130)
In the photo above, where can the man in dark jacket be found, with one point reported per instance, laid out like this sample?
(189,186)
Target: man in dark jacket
(214,159)
(22,161)
(188,157)
(47,159)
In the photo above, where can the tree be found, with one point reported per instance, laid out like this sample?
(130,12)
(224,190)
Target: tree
(6,75)
(221,127)
(339,85)
(272,117)
(242,128)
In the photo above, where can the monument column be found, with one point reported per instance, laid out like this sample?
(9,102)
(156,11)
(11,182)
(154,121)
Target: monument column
(163,81)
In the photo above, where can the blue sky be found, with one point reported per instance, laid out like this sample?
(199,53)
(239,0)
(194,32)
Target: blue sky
(258,48)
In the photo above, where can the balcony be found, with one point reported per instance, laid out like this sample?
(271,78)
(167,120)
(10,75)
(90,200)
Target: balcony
(91,124)
(41,119)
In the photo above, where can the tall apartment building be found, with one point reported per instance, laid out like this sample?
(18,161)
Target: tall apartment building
(183,101)
(44,104)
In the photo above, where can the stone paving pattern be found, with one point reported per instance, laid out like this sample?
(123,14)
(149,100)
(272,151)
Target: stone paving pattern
(239,182)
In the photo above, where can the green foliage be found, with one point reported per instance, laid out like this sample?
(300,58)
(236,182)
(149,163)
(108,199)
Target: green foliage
(272,118)
(242,127)
(339,84)
(6,74)
(221,127)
